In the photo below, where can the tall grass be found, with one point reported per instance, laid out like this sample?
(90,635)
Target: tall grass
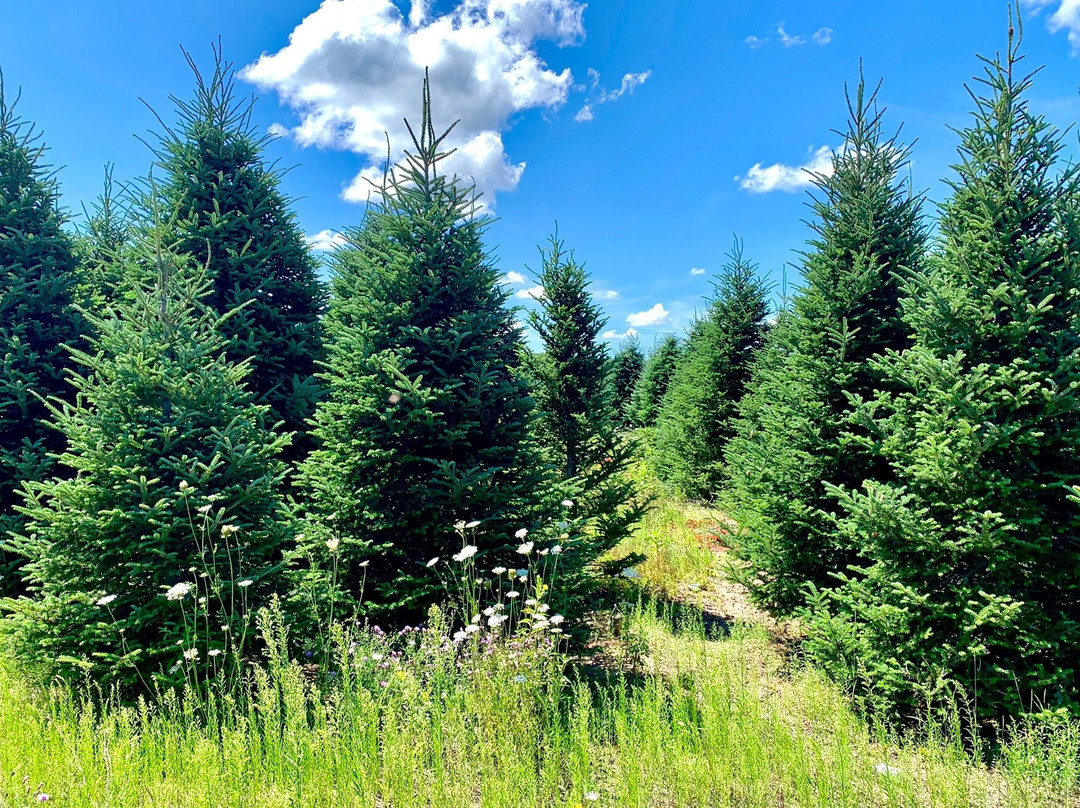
(419,721)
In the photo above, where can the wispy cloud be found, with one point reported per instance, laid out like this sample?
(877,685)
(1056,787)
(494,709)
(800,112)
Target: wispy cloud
(780,177)
(606,294)
(697,271)
(822,36)
(1066,16)
(756,42)
(613,334)
(325,240)
(629,83)
(786,40)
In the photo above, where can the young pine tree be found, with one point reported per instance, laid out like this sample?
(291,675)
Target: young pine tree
(972,553)
(578,422)
(627,367)
(233,218)
(147,561)
(654,381)
(100,245)
(37,285)
(698,410)
(793,436)
(426,422)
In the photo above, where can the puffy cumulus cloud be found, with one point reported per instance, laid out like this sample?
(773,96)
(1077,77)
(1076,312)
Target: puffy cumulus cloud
(515,278)
(779,177)
(613,334)
(1066,16)
(697,271)
(629,83)
(649,318)
(352,71)
(606,294)
(532,293)
(325,240)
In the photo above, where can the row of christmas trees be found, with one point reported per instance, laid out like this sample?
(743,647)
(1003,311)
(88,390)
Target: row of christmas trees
(193,425)
(900,445)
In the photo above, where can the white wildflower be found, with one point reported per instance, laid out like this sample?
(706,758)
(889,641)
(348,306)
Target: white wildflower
(592,796)
(467,552)
(521,534)
(473,524)
(333,544)
(459,636)
(191,654)
(178,591)
(568,503)
(215,652)
(497,620)
(490,610)
(472,628)
(244,584)
(459,526)
(184,486)
(556,549)
(228,530)
(204,508)
(365,562)
(513,594)
(498,570)
(105,601)
(433,562)
(556,619)
(525,548)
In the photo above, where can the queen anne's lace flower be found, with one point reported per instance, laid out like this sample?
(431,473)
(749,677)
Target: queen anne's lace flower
(178,591)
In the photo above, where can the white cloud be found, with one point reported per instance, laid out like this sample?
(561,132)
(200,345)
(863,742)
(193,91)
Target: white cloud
(823,36)
(779,177)
(594,77)
(613,334)
(277,130)
(606,294)
(352,70)
(515,278)
(655,316)
(629,83)
(325,240)
(532,293)
(756,42)
(786,40)
(1066,16)
(697,271)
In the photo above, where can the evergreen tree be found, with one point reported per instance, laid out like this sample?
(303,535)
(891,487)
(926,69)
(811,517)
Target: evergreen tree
(426,422)
(578,422)
(37,284)
(628,363)
(147,561)
(791,439)
(100,245)
(654,381)
(972,553)
(698,410)
(231,216)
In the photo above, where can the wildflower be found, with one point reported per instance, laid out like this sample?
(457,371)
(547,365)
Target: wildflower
(530,601)
(105,601)
(228,530)
(497,620)
(244,584)
(555,619)
(522,574)
(459,636)
(184,485)
(592,796)
(43,797)
(567,503)
(520,679)
(376,657)
(204,508)
(630,573)
(556,630)
(521,534)
(365,562)
(513,594)
(473,524)
(885,768)
(556,549)
(331,517)
(332,544)
(433,562)
(523,578)
(525,548)
(475,618)
(178,591)
(191,654)
(498,570)
(543,607)
(459,526)
(467,552)
(383,684)
(215,652)
(472,628)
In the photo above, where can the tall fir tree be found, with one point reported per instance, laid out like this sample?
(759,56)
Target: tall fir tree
(793,433)
(698,410)
(655,378)
(146,562)
(426,422)
(37,319)
(230,214)
(578,422)
(971,572)
(628,365)
(100,244)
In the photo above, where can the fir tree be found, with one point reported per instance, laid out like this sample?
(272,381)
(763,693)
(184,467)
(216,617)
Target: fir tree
(232,217)
(791,439)
(654,381)
(426,422)
(37,285)
(100,245)
(628,363)
(578,422)
(698,410)
(971,559)
(147,561)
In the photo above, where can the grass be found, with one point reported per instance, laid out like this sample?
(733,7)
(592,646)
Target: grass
(700,719)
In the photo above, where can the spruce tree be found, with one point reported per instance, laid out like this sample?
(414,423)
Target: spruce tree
(654,381)
(100,245)
(426,422)
(628,363)
(970,571)
(698,410)
(578,422)
(146,561)
(231,215)
(792,436)
(37,285)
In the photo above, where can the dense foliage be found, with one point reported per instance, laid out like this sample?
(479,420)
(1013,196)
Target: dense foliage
(653,384)
(627,367)
(697,412)
(38,280)
(794,435)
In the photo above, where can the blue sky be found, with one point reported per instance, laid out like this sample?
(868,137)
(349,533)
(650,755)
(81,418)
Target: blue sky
(637,126)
